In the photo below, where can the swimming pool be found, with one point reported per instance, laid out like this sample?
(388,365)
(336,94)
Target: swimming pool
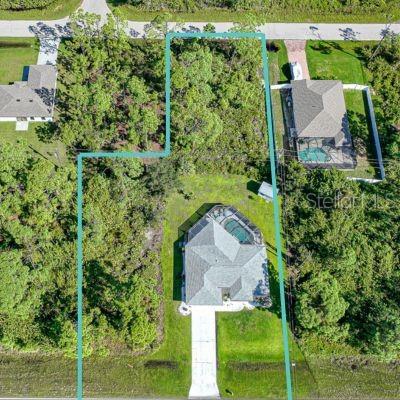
(313,154)
(237,230)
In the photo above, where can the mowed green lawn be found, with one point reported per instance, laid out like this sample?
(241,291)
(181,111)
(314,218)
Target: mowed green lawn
(53,151)
(278,63)
(335,60)
(15,54)
(248,336)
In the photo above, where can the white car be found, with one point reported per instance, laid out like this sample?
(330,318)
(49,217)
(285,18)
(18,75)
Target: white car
(296,71)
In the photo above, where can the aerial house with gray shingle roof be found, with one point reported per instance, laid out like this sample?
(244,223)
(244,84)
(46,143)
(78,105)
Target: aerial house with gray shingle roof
(225,260)
(322,134)
(30,100)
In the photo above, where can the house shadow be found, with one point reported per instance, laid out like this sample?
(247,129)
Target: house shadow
(178,247)
(273,278)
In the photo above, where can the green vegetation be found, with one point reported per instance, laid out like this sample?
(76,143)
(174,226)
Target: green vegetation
(279,122)
(37,301)
(37,375)
(342,239)
(24,4)
(343,259)
(217,89)
(336,60)
(103,105)
(42,10)
(383,62)
(53,151)
(15,54)
(367,166)
(279,71)
(166,371)
(342,278)
(217,106)
(271,11)
(250,353)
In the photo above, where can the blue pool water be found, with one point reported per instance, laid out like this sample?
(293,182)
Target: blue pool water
(313,154)
(235,229)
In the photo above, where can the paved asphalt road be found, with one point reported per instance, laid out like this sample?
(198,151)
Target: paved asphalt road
(272,30)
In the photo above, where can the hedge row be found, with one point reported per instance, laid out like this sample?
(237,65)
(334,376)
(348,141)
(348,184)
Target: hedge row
(23,4)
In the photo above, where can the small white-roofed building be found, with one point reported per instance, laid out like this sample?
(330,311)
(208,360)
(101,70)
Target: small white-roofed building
(266,192)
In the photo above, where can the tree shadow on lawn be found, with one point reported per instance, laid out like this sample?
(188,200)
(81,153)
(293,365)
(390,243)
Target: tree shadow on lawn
(178,244)
(286,71)
(325,47)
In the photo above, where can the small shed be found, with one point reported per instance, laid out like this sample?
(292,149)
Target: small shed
(266,192)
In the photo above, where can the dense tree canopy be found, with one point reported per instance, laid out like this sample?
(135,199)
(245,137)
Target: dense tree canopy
(344,242)
(218,117)
(113,93)
(121,261)
(383,61)
(312,6)
(107,100)
(37,279)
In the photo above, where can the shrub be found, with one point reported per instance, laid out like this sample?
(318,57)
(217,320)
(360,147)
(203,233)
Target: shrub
(20,5)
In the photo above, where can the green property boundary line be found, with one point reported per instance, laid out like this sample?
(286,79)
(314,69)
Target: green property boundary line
(165,153)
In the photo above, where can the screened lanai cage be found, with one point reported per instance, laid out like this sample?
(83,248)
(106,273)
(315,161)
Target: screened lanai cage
(232,221)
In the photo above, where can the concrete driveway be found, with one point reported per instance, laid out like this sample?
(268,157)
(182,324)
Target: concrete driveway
(48,51)
(296,51)
(204,354)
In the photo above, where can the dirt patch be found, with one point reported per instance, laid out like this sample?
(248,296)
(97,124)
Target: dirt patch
(151,364)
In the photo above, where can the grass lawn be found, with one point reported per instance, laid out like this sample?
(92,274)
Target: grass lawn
(279,123)
(56,10)
(15,54)
(36,375)
(335,60)
(221,15)
(167,371)
(279,71)
(53,151)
